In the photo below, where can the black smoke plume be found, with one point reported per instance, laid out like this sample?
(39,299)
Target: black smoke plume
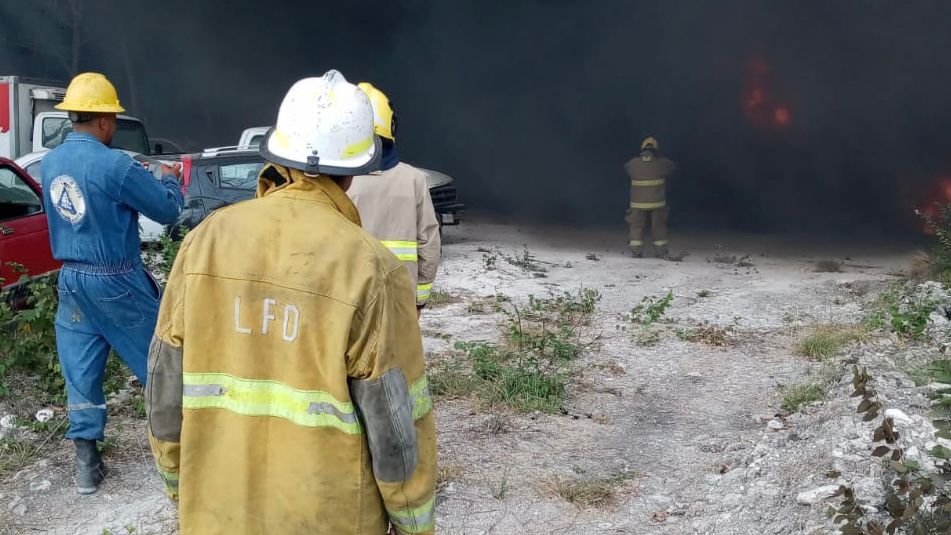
(534,106)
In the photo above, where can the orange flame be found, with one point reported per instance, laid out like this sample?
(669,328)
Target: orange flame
(760,106)
(938,195)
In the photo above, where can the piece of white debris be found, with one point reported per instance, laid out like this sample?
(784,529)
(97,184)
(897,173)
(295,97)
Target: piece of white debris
(775,425)
(39,486)
(899,417)
(816,495)
(44,415)
(8,422)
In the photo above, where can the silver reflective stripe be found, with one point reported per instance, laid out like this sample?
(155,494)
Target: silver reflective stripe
(85,407)
(327,408)
(203,390)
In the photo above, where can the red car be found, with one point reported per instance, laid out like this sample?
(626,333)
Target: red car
(24,235)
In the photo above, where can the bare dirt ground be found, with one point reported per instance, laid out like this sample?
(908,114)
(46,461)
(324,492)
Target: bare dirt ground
(687,428)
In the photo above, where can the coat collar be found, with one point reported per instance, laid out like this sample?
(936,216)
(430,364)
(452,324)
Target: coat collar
(294,183)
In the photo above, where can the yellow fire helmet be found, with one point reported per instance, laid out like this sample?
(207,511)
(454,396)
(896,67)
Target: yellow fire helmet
(384,119)
(91,92)
(324,126)
(650,142)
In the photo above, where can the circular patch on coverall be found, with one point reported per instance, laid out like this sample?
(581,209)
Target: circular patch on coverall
(68,199)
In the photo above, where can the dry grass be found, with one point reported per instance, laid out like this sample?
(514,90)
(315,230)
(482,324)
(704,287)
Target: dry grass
(591,493)
(496,424)
(450,380)
(446,474)
(21,446)
(440,299)
(825,341)
(723,259)
(828,266)
(483,305)
(706,333)
(922,267)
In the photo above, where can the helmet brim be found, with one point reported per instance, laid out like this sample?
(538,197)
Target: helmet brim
(321,169)
(102,108)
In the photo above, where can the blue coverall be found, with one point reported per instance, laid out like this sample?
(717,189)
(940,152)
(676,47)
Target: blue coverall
(93,197)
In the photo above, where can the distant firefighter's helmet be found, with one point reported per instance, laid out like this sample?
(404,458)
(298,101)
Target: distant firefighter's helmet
(650,142)
(384,119)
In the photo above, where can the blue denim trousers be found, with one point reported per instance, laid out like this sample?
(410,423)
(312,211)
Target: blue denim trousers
(101,307)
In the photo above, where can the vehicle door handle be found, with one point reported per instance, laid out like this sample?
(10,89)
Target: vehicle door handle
(5,231)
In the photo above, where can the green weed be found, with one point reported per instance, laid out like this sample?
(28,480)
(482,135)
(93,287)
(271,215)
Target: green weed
(651,309)
(500,490)
(797,396)
(904,310)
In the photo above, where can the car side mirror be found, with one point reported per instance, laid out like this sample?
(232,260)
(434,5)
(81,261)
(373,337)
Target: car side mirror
(158,148)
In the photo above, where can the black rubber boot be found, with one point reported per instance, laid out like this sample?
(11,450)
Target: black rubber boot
(661,251)
(90,470)
(637,252)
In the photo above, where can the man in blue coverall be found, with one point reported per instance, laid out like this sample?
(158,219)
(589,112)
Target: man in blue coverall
(93,197)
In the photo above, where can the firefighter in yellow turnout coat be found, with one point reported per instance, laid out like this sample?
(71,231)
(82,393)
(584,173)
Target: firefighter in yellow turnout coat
(395,205)
(287,390)
(648,172)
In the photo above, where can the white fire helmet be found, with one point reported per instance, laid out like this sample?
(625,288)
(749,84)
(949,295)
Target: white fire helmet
(324,126)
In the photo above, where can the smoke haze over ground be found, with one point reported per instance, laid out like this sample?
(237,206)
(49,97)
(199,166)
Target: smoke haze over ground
(782,115)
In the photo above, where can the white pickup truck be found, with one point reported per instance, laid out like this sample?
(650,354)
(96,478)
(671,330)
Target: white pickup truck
(30,123)
(251,137)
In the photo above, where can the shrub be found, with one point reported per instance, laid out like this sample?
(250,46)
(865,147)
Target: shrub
(530,368)
(904,310)
(28,342)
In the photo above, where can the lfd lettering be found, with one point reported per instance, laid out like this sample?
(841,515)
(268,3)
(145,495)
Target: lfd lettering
(288,324)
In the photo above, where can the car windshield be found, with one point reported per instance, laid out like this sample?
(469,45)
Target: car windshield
(130,135)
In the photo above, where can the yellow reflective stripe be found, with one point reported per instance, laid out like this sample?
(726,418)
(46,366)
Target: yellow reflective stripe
(660,243)
(415,519)
(423,291)
(359,147)
(169,478)
(651,182)
(636,243)
(404,250)
(648,205)
(419,397)
(250,397)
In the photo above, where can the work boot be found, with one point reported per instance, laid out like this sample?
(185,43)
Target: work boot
(90,470)
(661,251)
(636,252)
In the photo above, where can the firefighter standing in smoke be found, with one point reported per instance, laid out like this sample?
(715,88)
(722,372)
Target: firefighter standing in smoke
(648,173)
(287,391)
(395,205)
(107,300)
